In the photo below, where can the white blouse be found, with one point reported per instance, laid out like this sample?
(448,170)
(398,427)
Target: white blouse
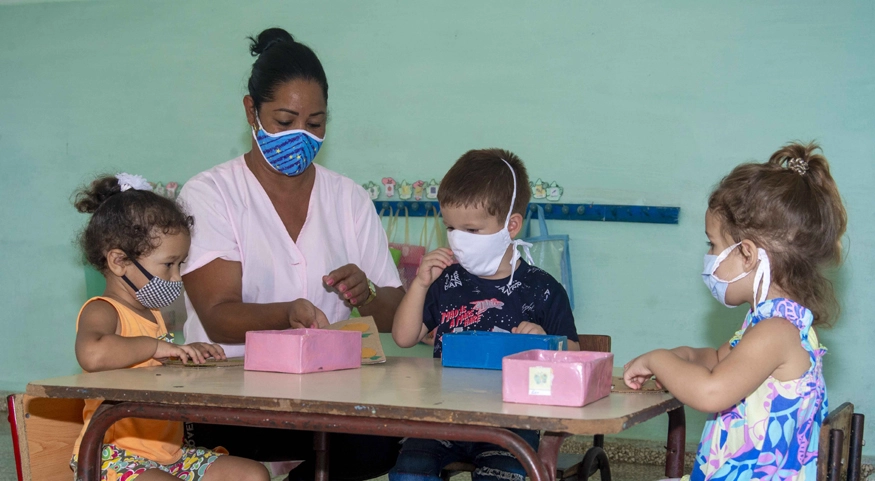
(235,220)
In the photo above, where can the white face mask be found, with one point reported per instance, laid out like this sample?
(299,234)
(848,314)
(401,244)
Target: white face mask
(719,286)
(481,254)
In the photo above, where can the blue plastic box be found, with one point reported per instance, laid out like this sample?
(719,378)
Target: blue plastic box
(484,350)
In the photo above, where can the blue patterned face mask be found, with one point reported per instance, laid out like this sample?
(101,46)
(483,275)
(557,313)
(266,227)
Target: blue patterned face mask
(289,152)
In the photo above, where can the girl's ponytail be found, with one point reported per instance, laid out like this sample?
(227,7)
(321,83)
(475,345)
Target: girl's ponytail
(90,198)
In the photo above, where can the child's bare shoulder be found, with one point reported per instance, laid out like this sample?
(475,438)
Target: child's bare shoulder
(98,313)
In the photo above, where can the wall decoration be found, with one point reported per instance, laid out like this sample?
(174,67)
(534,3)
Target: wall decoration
(420,197)
(158,188)
(405,190)
(554,192)
(373,190)
(418,188)
(431,190)
(539,189)
(390,186)
(172,190)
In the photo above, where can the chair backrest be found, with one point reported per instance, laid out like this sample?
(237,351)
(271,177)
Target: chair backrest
(594,342)
(835,436)
(45,430)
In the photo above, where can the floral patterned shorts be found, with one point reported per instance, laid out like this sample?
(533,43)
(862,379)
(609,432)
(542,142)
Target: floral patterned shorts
(119,465)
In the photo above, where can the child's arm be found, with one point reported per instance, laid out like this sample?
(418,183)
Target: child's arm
(408,328)
(764,348)
(100,348)
(703,356)
(527,327)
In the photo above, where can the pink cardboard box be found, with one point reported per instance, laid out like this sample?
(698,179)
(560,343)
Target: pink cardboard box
(559,378)
(302,350)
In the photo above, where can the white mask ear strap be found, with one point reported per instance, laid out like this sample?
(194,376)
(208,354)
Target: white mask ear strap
(764,275)
(525,245)
(513,197)
(722,257)
(516,256)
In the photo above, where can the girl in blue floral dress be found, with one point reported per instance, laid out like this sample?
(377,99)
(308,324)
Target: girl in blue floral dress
(771,228)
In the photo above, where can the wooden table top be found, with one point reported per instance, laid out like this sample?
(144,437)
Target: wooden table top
(402,388)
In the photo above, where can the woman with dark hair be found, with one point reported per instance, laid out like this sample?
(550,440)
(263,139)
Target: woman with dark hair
(283,243)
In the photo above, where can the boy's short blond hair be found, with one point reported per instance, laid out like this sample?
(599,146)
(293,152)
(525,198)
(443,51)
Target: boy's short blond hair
(480,179)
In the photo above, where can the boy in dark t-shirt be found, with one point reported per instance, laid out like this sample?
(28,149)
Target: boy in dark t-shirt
(458,301)
(483,199)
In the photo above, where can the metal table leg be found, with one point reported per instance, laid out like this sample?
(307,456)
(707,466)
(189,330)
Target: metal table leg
(320,445)
(548,450)
(89,450)
(677,435)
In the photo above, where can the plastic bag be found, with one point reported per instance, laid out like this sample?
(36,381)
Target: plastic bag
(411,254)
(550,253)
(390,228)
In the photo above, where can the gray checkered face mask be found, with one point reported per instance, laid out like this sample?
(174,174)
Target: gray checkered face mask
(157,293)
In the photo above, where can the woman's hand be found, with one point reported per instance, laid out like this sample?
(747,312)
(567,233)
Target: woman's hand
(351,284)
(303,314)
(527,327)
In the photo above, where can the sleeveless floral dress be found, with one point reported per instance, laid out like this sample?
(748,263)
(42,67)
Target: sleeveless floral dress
(773,433)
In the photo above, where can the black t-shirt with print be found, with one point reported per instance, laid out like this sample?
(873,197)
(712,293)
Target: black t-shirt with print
(459,301)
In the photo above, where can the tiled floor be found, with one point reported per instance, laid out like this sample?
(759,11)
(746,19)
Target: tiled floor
(7,461)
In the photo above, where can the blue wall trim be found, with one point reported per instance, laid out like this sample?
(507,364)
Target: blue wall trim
(594,212)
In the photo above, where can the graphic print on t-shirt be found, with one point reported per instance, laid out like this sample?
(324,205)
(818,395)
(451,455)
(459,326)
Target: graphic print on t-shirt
(465,316)
(458,301)
(452,281)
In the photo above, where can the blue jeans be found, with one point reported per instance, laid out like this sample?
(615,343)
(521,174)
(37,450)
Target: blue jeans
(423,459)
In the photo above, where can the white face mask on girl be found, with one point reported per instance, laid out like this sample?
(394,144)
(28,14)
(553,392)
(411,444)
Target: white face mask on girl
(481,254)
(718,286)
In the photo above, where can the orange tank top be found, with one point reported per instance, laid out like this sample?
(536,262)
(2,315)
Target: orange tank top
(160,441)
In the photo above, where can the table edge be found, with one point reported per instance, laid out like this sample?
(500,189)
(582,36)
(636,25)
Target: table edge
(570,426)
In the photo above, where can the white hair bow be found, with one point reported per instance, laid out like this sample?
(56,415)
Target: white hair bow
(132,181)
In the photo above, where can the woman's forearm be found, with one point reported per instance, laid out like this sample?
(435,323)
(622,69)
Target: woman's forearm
(229,322)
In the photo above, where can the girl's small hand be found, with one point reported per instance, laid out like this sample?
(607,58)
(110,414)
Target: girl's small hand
(527,327)
(166,350)
(637,371)
(432,265)
(206,350)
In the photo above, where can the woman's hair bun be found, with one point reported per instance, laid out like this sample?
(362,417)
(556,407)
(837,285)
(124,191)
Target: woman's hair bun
(88,199)
(267,39)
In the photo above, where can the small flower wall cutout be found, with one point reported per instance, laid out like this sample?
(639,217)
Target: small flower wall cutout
(171,190)
(431,191)
(539,189)
(373,190)
(418,189)
(390,186)
(405,190)
(554,192)
(542,190)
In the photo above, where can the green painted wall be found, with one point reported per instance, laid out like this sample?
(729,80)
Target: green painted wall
(621,102)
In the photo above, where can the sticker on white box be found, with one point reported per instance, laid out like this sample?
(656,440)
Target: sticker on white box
(540,381)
